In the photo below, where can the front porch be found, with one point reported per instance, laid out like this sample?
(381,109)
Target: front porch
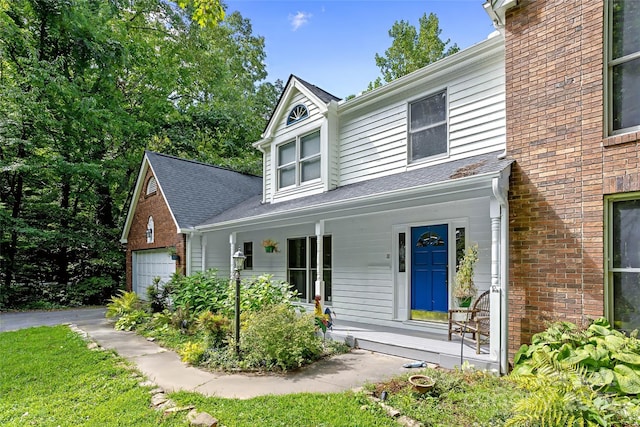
(416,343)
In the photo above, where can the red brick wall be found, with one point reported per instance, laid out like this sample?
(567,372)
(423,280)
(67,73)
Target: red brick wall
(564,165)
(166,234)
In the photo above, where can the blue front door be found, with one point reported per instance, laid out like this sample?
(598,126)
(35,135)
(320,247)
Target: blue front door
(429,262)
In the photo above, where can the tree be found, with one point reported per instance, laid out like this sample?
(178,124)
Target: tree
(412,49)
(85,87)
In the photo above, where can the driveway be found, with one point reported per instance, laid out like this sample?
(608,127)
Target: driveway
(27,319)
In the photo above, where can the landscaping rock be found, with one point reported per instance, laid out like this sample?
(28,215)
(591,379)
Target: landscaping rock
(201,419)
(155,390)
(177,409)
(147,384)
(158,399)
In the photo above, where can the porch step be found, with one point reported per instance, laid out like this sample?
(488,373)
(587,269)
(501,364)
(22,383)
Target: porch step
(412,344)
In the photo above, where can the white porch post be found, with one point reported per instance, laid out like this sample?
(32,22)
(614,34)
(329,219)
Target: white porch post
(203,244)
(187,255)
(494,333)
(319,285)
(232,250)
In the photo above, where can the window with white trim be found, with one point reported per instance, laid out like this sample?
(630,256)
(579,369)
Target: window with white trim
(623,261)
(428,127)
(297,113)
(302,266)
(623,70)
(152,186)
(299,160)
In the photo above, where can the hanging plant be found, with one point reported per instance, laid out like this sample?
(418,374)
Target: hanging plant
(270,245)
(464,289)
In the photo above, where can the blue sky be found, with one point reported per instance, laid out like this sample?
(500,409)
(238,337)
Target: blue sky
(332,43)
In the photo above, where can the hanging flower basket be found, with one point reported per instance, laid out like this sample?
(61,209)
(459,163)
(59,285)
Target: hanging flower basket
(270,246)
(464,302)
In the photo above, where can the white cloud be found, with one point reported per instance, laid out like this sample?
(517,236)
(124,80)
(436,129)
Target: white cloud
(299,19)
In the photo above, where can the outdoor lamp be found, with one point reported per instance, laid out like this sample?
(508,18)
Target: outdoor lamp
(238,260)
(238,263)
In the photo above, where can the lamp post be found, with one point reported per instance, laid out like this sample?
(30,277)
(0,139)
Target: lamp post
(238,264)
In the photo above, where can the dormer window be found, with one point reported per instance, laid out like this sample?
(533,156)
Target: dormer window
(299,112)
(152,186)
(299,160)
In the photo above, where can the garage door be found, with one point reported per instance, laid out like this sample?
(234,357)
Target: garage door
(150,264)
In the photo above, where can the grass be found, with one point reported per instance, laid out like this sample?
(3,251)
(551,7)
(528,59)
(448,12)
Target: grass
(295,410)
(48,377)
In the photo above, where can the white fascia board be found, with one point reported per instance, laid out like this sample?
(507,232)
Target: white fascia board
(390,197)
(447,66)
(134,199)
(284,100)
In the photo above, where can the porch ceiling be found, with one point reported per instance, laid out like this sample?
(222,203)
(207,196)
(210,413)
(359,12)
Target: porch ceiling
(451,181)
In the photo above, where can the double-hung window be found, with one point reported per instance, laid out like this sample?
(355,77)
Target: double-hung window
(623,66)
(428,127)
(623,261)
(299,160)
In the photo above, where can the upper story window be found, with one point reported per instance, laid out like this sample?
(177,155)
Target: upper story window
(152,186)
(299,160)
(297,113)
(428,126)
(623,58)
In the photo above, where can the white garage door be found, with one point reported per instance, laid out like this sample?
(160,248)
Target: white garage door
(150,264)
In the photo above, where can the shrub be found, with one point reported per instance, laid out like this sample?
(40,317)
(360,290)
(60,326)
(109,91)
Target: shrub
(578,376)
(199,292)
(192,352)
(125,303)
(215,326)
(277,336)
(158,296)
(130,321)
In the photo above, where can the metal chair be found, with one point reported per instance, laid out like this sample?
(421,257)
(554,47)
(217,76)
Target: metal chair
(476,322)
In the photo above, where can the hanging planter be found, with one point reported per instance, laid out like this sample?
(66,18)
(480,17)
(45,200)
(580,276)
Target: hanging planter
(464,302)
(173,253)
(270,246)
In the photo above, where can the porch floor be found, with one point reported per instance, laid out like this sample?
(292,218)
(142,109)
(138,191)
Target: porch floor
(416,343)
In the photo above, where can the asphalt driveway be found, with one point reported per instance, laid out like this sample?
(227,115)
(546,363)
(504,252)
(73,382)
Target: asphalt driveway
(27,319)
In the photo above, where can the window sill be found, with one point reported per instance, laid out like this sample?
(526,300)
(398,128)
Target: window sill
(621,139)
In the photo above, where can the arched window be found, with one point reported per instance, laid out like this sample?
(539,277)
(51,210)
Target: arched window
(151,233)
(297,113)
(152,186)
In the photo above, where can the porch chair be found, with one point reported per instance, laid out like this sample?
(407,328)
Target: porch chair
(476,321)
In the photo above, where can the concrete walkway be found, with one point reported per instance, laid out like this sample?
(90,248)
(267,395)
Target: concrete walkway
(164,368)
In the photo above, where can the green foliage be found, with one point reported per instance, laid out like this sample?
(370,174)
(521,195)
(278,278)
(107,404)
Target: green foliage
(192,352)
(158,296)
(202,291)
(215,326)
(130,321)
(412,49)
(578,377)
(277,336)
(259,292)
(125,303)
(464,286)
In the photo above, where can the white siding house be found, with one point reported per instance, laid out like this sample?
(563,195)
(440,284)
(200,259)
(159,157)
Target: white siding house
(380,191)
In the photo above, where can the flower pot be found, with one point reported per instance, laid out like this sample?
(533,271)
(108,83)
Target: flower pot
(269,249)
(175,257)
(422,383)
(464,302)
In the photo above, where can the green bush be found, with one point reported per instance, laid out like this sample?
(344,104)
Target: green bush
(215,326)
(259,292)
(130,321)
(278,336)
(202,291)
(579,377)
(192,352)
(123,304)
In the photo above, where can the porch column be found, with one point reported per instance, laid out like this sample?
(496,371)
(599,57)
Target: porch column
(319,285)
(203,245)
(232,250)
(495,300)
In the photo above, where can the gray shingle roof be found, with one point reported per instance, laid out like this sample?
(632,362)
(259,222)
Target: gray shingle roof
(196,191)
(320,93)
(422,177)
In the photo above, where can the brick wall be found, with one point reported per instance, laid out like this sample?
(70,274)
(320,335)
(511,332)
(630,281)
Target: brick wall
(564,165)
(165,229)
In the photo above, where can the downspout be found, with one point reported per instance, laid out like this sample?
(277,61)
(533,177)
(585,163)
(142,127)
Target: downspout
(500,192)
(187,255)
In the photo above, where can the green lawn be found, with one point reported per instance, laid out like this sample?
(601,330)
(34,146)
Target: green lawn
(48,377)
